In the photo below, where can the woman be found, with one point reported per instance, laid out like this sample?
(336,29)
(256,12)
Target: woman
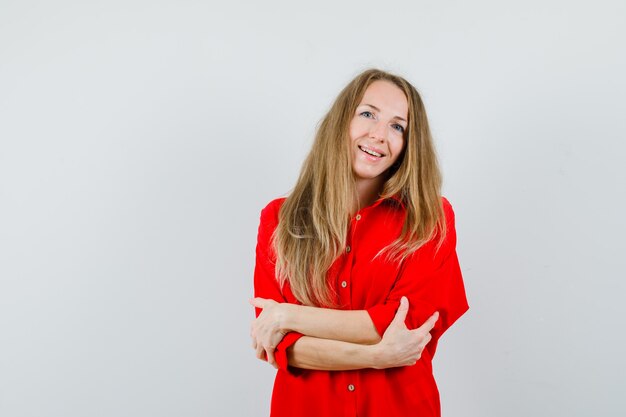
(356,274)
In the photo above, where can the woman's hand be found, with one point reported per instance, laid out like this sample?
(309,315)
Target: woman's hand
(266,330)
(401,346)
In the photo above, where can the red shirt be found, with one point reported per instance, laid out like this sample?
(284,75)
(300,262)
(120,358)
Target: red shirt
(431,281)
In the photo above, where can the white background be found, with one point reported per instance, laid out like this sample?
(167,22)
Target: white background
(140,139)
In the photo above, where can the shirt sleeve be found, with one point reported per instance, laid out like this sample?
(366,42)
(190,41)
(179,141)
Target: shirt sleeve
(432,281)
(265,283)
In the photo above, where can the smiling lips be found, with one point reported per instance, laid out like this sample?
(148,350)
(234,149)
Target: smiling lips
(372,154)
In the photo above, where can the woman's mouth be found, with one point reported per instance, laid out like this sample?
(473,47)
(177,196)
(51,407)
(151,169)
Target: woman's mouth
(374,155)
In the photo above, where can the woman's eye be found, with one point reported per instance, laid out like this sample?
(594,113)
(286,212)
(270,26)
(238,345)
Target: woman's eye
(399,128)
(367,114)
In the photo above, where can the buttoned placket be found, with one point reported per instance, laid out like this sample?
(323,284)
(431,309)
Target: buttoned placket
(352,377)
(346,273)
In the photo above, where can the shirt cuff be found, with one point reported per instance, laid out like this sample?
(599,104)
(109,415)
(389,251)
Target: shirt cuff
(280,354)
(382,315)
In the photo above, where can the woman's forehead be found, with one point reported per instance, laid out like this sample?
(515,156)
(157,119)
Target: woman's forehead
(387,98)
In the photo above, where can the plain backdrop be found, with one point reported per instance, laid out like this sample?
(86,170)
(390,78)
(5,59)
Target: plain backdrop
(139,141)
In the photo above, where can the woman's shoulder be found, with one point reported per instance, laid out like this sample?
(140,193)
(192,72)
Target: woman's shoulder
(270,211)
(447,209)
(449,221)
(275,204)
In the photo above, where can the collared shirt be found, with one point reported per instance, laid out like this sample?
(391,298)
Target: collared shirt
(430,279)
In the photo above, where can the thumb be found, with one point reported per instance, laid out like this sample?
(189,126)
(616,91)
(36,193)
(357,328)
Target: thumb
(430,323)
(258,302)
(401,313)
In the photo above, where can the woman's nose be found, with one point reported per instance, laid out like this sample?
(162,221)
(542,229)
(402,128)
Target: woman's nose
(378,131)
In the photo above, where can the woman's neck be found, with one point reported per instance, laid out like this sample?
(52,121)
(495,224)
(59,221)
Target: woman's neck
(368,191)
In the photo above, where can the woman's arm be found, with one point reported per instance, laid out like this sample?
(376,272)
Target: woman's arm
(354,326)
(398,347)
(331,355)
(342,326)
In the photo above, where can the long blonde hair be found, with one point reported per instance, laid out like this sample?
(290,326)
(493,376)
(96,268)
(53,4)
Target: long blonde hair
(314,219)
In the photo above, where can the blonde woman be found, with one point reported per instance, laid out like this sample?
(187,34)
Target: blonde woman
(356,274)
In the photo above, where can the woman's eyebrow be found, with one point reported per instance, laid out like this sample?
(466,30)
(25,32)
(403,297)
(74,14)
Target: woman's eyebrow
(378,110)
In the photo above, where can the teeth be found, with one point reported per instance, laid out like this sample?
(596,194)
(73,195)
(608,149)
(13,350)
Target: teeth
(370,152)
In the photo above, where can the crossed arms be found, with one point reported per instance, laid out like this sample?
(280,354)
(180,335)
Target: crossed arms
(337,339)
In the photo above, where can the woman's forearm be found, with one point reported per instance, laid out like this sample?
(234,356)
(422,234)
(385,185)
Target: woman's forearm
(398,347)
(354,326)
(331,355)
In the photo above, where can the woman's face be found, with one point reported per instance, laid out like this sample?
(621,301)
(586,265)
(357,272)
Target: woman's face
(377,130)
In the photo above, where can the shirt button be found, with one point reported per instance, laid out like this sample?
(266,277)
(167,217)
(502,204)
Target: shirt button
(348,249)
(358,217)
(350,387)
(344,284)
